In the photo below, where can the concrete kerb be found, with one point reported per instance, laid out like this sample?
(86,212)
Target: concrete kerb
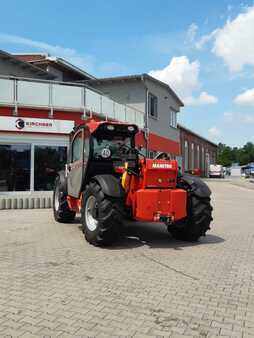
(23,202)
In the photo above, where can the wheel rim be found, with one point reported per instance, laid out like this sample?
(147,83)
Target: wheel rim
(56,199)
(91,211)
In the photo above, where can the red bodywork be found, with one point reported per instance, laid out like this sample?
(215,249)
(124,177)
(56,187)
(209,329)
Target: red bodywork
(75,204)
(153,195)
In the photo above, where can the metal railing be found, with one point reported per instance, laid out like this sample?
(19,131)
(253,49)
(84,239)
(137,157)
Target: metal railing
(53,95)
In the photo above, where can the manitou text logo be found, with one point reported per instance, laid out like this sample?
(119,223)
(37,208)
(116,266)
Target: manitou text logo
(20,124)
(162,166)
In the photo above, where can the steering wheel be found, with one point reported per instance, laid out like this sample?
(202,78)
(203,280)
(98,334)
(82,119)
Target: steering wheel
(162,156)
(124,149)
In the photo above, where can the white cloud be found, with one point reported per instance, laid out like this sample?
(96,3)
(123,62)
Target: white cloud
(84,61)
(205,39)
(228,116)
(234,41)
(248,119)
(239,118)
(183,77)
(213,131)
(180,74)
(245,98)
(71,54)
(192,32)
(112,68)
(203,98)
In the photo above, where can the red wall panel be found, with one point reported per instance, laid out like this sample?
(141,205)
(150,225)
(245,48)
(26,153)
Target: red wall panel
(43,114)
(159,143)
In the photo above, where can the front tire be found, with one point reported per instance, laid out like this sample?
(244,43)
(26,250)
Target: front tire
(101,218)
(62,212)
(199,217)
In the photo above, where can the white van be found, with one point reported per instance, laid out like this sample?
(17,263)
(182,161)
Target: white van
(216,170)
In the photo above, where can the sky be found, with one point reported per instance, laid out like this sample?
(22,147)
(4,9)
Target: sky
(203,49)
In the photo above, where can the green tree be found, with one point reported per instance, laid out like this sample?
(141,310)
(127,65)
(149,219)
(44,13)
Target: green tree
(242,155)
(225,156)
(246,153)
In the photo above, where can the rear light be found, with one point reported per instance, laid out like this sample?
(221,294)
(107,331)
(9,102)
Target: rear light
(156,217)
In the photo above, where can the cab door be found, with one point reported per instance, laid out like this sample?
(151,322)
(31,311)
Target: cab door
(78,161)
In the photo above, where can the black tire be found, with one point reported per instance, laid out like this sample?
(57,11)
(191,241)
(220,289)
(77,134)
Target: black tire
(197,221)
(62,212)
(104,226)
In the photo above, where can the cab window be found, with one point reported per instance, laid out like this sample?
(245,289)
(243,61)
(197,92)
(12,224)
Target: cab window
(77,147)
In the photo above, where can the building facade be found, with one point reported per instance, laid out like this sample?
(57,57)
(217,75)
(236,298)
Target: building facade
(37,113)
(197,152)
(160,104)
(36,118)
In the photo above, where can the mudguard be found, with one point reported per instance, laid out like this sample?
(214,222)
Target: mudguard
(110,185)
(198,186)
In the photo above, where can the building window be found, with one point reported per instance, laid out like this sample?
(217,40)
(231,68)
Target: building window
(207,162)
(203,159)
(186,156)
(152,105)
(15,167)
(198,157)
(76,147)
(192,156)
(48,160)
(173,118)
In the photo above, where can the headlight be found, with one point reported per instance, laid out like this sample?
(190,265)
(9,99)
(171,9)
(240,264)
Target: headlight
(131,128)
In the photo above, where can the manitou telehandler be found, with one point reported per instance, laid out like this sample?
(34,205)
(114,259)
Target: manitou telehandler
(107,180)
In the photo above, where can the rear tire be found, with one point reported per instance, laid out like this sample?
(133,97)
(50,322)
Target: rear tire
(62,212)
(101,216)
(197,222)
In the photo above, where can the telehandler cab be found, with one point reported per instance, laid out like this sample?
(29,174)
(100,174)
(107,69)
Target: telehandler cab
(107,180)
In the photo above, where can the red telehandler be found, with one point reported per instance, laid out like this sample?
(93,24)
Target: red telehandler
(107,180)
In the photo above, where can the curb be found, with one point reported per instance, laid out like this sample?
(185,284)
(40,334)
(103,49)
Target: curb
(25,203)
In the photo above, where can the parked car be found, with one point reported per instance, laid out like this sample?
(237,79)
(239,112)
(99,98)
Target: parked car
(252,172)
(216,171)
(247,171)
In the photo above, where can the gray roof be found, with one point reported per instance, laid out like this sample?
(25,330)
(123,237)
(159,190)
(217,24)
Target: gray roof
(26,65)
(180,126)
(138,77)
(72,67)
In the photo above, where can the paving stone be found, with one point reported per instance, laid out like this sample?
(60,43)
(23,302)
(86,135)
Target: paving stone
(54,284)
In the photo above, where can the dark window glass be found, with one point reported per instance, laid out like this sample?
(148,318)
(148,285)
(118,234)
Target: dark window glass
(76,147)
(47,162)
(152,105)
(115,144)
(15,160)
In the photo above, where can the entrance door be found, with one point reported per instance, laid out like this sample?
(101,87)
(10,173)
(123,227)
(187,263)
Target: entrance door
(76,167)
